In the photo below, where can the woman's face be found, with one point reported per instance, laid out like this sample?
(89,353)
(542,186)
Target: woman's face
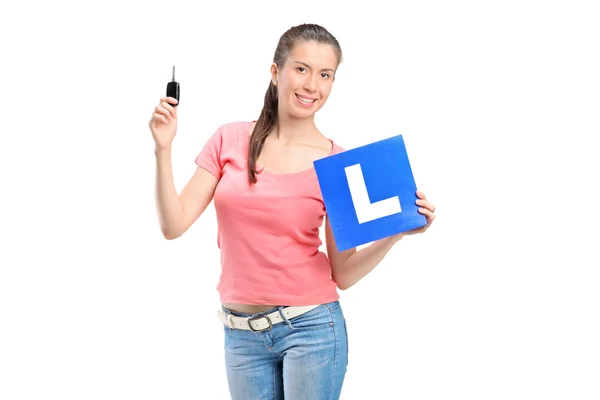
(305,80)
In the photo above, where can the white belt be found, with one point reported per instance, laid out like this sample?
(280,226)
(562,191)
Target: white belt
(262,322)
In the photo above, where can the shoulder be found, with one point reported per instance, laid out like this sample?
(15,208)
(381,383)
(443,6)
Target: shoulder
(234,133)
(235,128)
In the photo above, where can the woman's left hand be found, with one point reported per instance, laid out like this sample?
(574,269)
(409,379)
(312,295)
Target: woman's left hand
(426,208)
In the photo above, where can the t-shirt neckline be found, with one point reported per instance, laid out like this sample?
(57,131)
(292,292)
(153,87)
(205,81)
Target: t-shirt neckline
(265,172)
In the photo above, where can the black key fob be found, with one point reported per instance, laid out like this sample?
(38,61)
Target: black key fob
(173,89)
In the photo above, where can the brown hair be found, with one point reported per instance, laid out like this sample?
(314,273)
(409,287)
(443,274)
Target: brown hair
(268,116)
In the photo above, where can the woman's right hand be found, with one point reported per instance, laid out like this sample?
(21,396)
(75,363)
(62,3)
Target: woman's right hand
(163,123)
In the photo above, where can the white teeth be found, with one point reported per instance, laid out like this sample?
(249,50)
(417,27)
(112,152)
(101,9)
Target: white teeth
(302,99)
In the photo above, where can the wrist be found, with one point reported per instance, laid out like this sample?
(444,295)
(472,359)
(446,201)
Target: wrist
(391,240)
(159,151)
(397,237)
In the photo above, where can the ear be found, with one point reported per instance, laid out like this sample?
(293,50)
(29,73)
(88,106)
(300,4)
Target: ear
(274,71)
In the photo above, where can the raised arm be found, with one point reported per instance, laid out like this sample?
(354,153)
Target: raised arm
(176,212)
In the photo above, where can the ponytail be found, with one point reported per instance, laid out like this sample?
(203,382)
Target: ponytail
(264,125)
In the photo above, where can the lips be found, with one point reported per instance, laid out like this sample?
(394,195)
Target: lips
(306,100)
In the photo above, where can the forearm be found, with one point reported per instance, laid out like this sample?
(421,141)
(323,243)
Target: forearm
(359,264)
(168,205)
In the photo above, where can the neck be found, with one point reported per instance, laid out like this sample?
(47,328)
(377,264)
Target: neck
(289,129)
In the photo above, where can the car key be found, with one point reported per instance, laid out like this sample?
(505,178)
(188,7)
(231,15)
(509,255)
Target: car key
(173,89)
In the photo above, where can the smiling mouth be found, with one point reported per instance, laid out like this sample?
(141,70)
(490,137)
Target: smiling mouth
(305,100)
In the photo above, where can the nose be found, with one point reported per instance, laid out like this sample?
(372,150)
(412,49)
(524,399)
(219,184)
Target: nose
(310,83)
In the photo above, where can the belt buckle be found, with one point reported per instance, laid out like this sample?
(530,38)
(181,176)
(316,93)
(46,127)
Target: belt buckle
(257,318)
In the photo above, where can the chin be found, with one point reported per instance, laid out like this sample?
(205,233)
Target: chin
(302,114)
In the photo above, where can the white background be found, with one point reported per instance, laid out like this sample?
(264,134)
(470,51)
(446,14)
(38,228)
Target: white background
(498,102)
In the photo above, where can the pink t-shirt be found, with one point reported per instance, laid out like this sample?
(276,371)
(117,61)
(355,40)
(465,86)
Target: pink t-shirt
(268,233)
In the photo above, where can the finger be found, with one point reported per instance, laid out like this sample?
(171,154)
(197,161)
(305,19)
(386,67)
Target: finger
(426,204)
(160,117)
(161,109)
(169,108)
(421,195)
(428,213)
(169,99)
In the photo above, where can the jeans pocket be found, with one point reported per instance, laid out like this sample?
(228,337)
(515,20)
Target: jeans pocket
(318,318)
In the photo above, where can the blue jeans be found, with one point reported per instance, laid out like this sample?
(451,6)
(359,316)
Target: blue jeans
(298,359)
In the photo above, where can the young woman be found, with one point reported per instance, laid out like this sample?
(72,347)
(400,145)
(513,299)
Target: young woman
(285,332)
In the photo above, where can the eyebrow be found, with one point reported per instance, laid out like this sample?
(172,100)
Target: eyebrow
(308,66)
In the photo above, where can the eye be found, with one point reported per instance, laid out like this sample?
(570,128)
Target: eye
(301,69)
(325,75)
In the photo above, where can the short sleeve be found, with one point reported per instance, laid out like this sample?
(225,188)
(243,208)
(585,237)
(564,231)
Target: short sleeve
(209,157)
